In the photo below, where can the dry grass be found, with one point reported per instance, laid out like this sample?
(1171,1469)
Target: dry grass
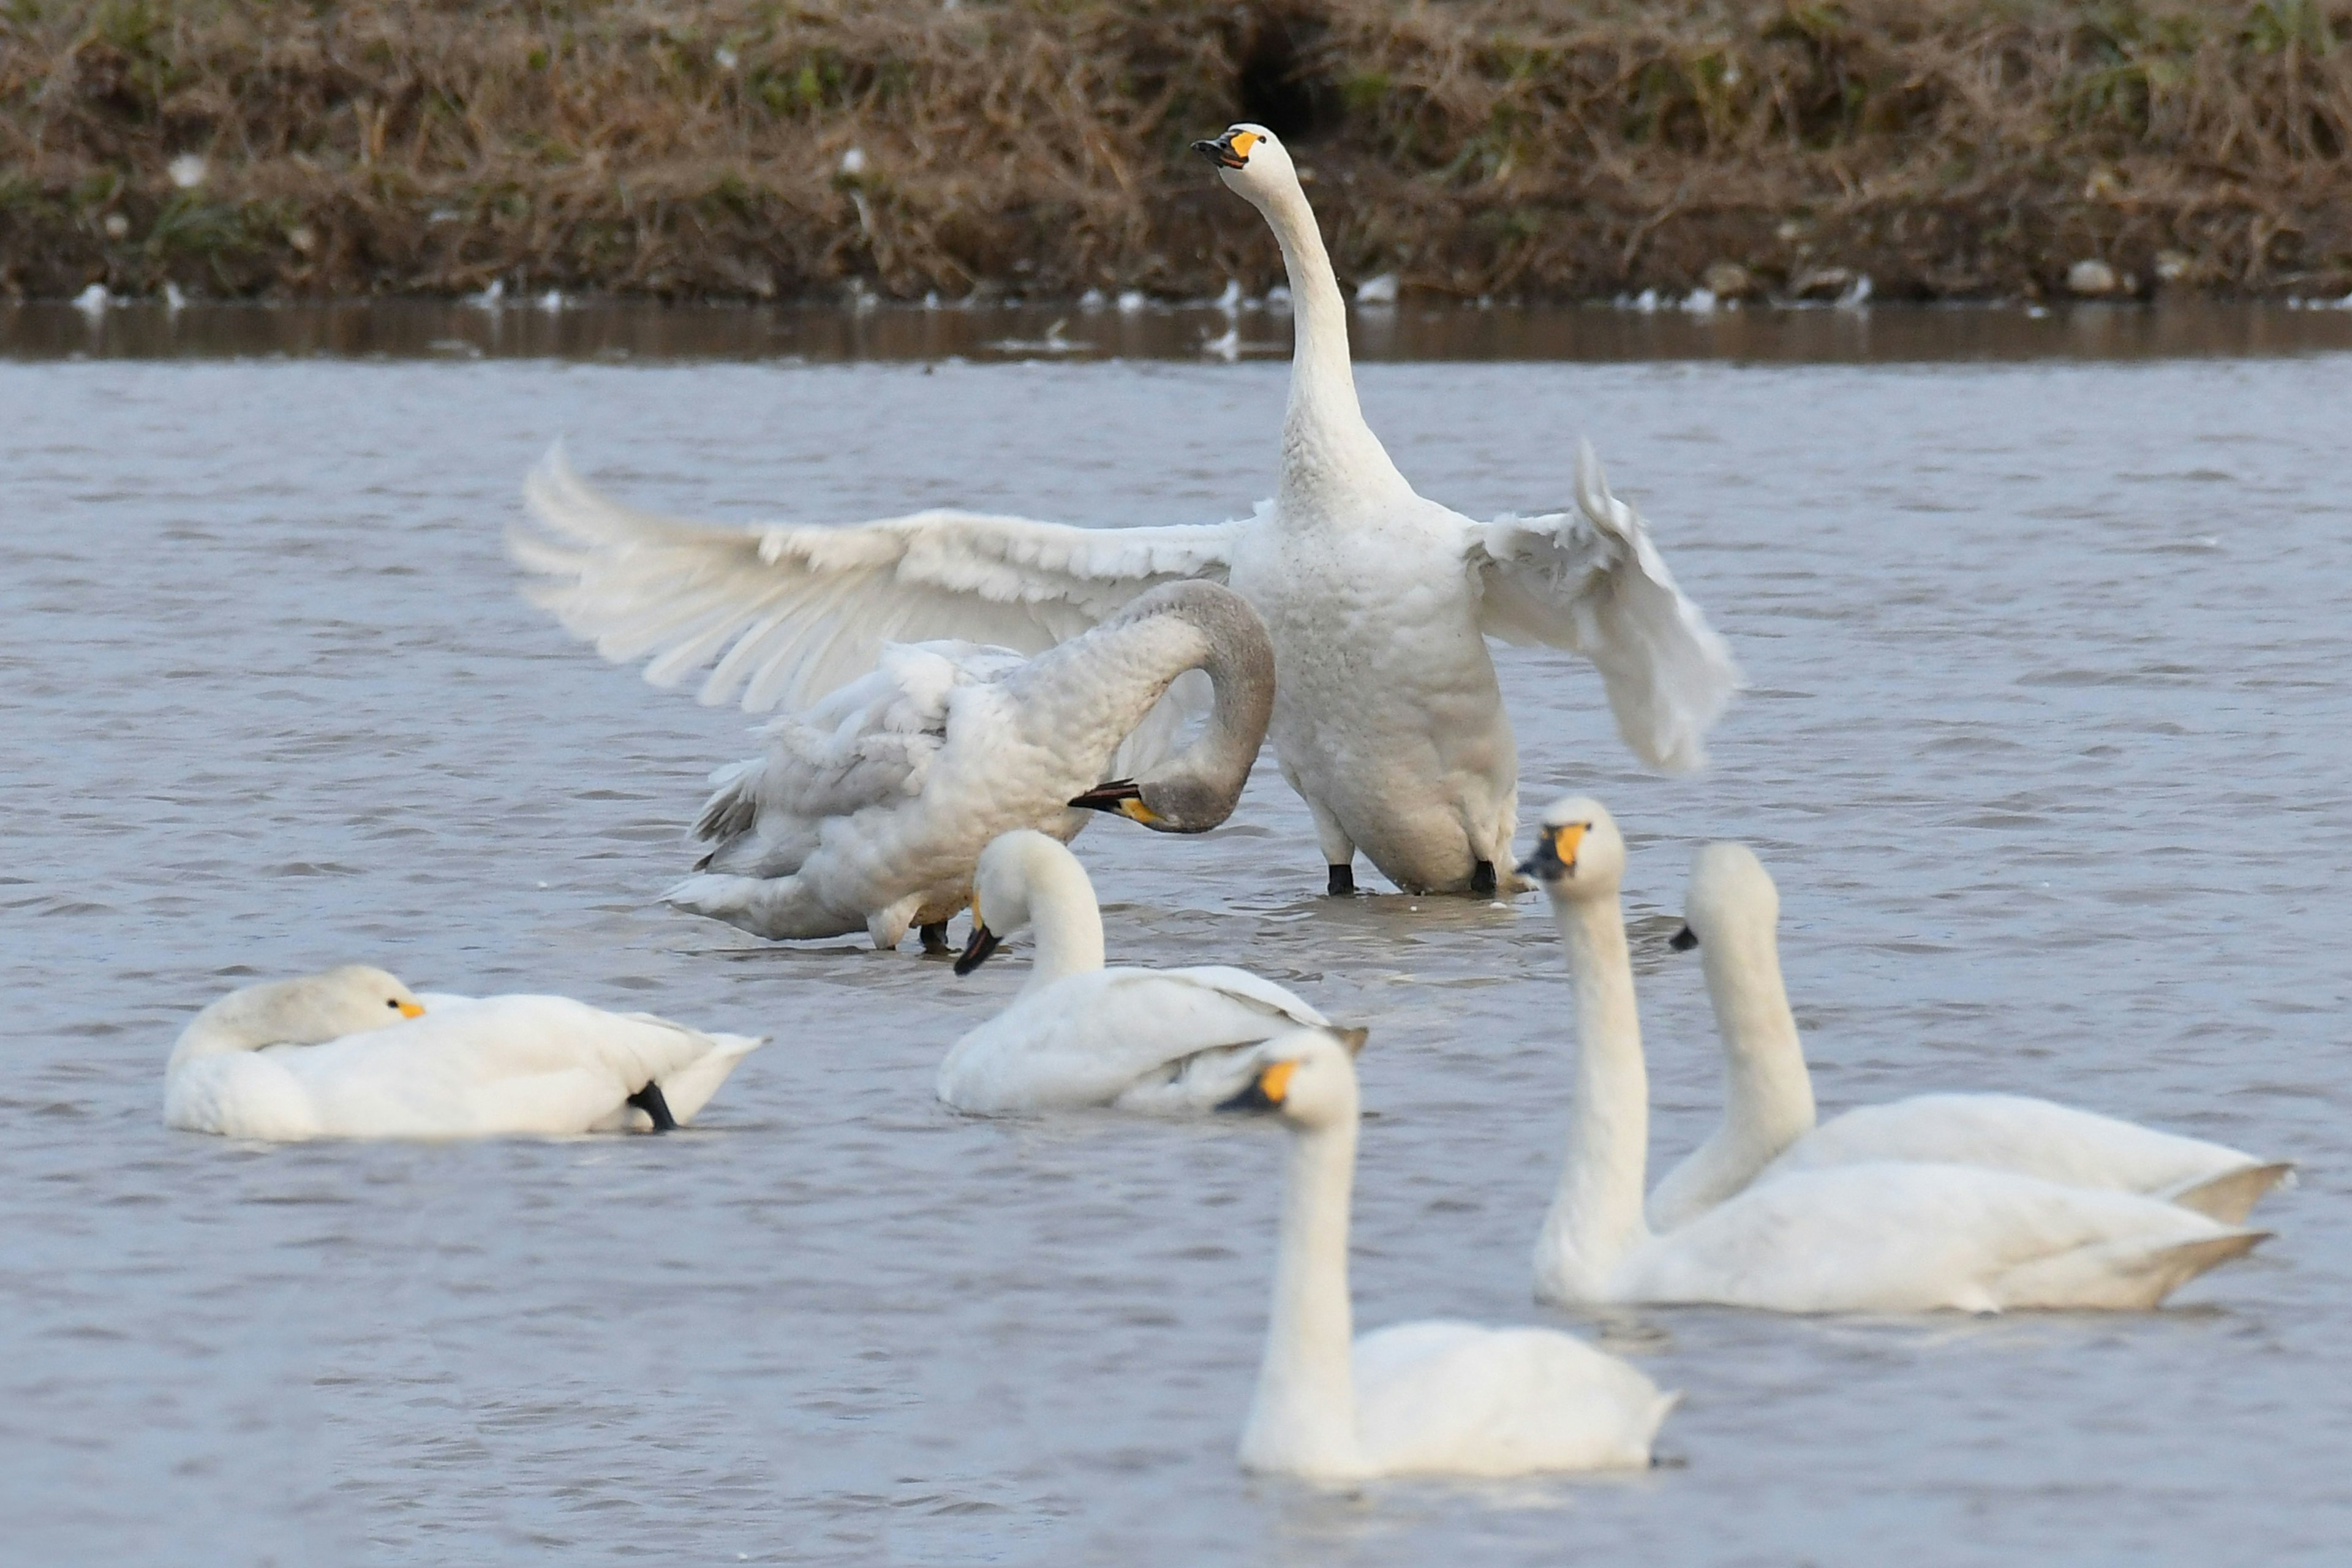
(1944,147)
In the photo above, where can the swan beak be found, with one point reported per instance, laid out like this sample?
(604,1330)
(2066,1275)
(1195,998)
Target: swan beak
(1684,940)
(976,950)
(1230,150)
(1555,855)
(412,1010)
(1265,1091)
(1123,798)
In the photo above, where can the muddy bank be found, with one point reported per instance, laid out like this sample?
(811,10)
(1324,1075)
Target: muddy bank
(1963,149)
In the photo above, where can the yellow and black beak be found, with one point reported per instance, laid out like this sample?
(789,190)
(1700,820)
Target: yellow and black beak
(1555,855)
(1267,1091)
(1230,150)
(979,946)
(1123,798)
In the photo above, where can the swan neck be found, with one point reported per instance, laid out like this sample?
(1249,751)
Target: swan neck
(211,1033)
(1596,1215)
(1329,456)
(1238,658)
(1768,1093)
(1302,1417)
(1067,919)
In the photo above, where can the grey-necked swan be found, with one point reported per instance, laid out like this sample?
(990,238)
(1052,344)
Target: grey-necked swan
(353,1053)
(1388,718)
(869,810)
(1886,1237)
(1077,1033)
(1439,1398)
(1768,1129)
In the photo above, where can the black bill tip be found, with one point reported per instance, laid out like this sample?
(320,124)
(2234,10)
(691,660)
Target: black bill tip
(1254,1097)
(1111,796)
(977,952)
(1219,151)
(651,1100)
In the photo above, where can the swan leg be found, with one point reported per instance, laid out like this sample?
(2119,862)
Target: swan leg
(935,938)
(1341,883)
(1482,879)
(649,1100)
(1338,850)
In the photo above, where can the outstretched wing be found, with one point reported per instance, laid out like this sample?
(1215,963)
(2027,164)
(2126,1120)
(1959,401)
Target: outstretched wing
(784,613)
(1591,581)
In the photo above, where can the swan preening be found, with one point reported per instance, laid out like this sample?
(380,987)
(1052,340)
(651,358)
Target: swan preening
(1079,1034)
(352,1053)
(1768,1129)
(1428,1398)
(869,809)
(1883,1236)
(1387,717)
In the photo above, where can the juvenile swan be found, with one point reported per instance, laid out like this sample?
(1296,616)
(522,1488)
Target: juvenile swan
(352,1053)
(1768,1129)
(1885,1236)
(1076,1034)
(1388,719)
(869,810)
(1429,1398)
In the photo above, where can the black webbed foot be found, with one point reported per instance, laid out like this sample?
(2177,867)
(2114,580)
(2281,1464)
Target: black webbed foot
(649,1100)
(1482,880)
(1343,883)
(935,938)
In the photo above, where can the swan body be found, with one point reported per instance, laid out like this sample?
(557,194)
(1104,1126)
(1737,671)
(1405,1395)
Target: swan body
(1154,1040)
(351,1053)
(1874,1237)
(1440,1397)
(1769,1132)
(869,811)
(1388,718)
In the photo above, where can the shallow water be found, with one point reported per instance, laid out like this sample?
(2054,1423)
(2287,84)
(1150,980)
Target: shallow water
(2043,744)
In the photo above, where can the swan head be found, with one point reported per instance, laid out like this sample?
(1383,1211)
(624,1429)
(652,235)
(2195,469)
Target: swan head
(1731,899)
(308,1010)
(1306,1076)
(1250,160)
(1578,853)
(1014,870)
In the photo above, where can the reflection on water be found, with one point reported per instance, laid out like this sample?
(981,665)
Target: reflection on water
(518,329)
(2045,745)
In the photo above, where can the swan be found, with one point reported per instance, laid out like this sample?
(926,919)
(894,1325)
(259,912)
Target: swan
(1886,1235)
(1768,1127)
(353,1053)
(1439,1398)
(868,810)
(1388,719)
(1076,1034)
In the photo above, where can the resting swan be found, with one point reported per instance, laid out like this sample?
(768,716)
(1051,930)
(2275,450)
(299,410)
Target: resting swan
(1768,1117)
(1388,718)
(1430,1398)
(869,810)
(1886,1237)
(352,1053)
(1077,1033)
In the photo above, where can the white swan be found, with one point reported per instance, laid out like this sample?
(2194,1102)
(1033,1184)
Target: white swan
(1883,1237)
(1388,718)
(1768,1127)
(1429,1398)
(869,810)
(1076,1034)
(352,1053)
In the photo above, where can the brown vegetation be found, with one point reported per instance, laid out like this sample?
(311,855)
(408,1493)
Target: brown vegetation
(1477,147)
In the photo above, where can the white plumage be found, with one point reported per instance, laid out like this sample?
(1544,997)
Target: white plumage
(1160,1040)
(1388,717)
(351,1053)
(1882,1237)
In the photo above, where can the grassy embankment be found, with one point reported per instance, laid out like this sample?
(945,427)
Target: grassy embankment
(1946,148)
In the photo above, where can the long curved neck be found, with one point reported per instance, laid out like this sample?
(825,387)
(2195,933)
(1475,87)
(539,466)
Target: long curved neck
(1596,1215)
(1102,683)
(1330,457)
(244,1020)
(1768,1096)
(1068,923)
(1238,658)
(1302,1417)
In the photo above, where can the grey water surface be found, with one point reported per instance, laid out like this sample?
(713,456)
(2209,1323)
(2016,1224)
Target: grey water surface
(2045,742)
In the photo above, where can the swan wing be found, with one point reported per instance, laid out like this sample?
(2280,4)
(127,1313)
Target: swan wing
(1456,1398)
(786,612)
(1591,580)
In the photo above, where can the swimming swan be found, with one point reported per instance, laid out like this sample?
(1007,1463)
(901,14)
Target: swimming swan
(352,1053)
(1768,1127)
(1157,1040)
(1388,719)
(1429,1398)
(1885,1236)
(869,811)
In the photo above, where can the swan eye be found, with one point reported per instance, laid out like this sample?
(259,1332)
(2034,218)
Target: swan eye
(393,1002)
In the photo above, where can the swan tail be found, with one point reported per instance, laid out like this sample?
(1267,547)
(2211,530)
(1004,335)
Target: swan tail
(734,806)
(688,1088)
(2232,1195)
(2134,1274)
(772,907)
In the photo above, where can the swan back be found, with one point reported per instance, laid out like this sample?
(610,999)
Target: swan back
(308,1010)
